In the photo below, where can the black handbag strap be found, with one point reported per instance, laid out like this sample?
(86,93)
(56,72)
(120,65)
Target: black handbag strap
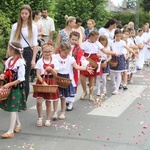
(25,40)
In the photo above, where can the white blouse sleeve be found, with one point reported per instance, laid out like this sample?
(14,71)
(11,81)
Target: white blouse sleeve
(13,29)
(56,64)
(21,73)
(35,35)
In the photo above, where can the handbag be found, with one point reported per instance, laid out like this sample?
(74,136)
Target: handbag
(26,41)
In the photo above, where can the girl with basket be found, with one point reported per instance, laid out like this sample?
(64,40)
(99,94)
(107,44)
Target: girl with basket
(14,75)
(104,65)
(118,46)
(66,65)
(91,47)
(46,69)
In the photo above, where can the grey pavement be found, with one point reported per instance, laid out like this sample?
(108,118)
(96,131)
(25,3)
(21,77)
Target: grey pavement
(121,123)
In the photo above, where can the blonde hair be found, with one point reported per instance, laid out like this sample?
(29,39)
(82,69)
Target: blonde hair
(17,34)
(65,46)
(49,45)
(92,21)
(69,19)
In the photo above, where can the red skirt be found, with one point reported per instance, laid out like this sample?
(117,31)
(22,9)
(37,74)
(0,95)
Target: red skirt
(48,96)
(96,59)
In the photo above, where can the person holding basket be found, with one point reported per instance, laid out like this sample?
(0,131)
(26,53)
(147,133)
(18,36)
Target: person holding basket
(66,65)
(14,75)
(46,68)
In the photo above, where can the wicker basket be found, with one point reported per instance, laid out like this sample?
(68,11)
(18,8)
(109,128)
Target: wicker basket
(113,63)
(63,82)
(45,88)
(4,93)
(92,62)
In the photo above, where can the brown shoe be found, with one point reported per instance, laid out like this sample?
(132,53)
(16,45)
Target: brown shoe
(7,135)
(18,129)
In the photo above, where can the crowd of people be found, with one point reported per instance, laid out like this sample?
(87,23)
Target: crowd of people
(112,52)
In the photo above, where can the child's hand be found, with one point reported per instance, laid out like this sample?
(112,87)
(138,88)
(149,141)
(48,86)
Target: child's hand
(90,69)
(6,86)
(2,77)
(48,69)
(44,83)
(117,54)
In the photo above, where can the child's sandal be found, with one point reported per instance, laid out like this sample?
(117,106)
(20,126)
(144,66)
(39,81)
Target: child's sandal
(47,123)
(39,122)
(62,116)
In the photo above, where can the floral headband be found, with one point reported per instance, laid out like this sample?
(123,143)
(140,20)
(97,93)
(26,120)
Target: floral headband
(47,44)
(16,48)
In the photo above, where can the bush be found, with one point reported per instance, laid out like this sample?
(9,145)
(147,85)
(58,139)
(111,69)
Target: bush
(4,33)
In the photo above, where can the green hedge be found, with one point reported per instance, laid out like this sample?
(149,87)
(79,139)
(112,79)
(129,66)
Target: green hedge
(125,18)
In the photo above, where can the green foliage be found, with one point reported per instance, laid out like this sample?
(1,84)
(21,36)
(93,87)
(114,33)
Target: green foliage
(12,7)
(4,33)
(146,5)
(127,17)
(85,9)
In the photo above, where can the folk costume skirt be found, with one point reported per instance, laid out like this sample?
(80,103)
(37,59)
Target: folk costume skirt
(68,92)
(95,58)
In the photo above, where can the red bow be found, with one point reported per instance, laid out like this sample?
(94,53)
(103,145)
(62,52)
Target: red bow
(8,74)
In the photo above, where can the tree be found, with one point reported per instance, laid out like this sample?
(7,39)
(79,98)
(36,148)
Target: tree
(85,9)
(12,7)
(146,5)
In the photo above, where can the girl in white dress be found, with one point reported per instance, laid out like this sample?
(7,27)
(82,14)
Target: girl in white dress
(118,46)
(66,65)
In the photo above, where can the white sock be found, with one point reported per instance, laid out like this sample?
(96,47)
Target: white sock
(13,117)
(104,81)
(17,120)
(118,81)
(98,83)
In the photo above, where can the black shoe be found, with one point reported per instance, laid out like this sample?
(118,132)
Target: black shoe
(120,87)
(67,104)
(125,87)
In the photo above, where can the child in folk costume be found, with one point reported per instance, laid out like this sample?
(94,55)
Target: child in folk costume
(77,53)
(104,58)
(91,47)
(14,75)
(66,65)
(46,69)
(120,47)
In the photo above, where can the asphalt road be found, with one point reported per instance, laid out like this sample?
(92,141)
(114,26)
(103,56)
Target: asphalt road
(122,122)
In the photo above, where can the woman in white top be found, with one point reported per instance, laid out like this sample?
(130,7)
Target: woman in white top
(26,33)
(108,30)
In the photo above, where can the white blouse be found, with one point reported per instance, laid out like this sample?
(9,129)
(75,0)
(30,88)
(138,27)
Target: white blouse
(39,65)
(19,65)
(91,48)
(25,34)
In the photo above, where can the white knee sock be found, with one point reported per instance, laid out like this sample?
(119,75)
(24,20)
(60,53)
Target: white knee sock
(17,119)
(104,81)
(98,83)
(118,81)
(13,117)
